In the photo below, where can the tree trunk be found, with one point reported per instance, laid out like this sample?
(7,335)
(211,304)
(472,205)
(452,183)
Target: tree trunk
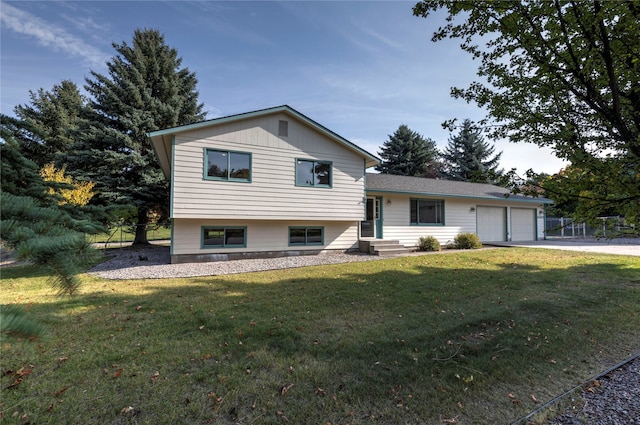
(141,228)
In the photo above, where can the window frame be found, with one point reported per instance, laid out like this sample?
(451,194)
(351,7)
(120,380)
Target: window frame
(306,236)
(206,175)
(314,184)
(440,204)
(224,244)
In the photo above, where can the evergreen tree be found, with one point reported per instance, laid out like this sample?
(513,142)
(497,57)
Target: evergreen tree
(407,153)
(32,220)
(468,157)
(145,90)
(50,122)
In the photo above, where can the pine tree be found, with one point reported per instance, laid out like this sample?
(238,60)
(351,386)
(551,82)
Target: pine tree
(468,157)
(407,153)
(32,221)
(50,122)
(145,90)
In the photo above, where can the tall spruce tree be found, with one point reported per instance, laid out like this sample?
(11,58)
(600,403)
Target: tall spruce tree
(50,122)
(145,90)
(468,157)
(407,153)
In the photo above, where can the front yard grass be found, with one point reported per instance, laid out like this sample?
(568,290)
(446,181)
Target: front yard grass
(470,338)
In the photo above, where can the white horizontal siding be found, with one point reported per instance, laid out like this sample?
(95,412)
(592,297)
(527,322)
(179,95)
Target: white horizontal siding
(272,193)
(396,225)
(261,236)
(459,218)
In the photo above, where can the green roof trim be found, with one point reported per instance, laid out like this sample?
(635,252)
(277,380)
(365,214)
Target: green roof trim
(372,159)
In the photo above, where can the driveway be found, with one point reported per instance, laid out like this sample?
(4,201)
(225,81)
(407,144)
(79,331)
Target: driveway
(622,246)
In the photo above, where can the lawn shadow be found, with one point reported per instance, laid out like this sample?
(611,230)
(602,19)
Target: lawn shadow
(398,343)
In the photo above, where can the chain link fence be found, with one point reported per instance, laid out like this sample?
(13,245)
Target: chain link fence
(121,234)
(610,227)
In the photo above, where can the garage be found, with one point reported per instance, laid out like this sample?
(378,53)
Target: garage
(491,223)
(523,224)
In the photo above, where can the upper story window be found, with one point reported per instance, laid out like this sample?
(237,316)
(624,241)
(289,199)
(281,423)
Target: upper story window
(227,165)
(313,173)
(427,211)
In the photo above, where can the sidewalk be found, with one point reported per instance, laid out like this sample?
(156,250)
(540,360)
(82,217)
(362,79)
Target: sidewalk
(622,246)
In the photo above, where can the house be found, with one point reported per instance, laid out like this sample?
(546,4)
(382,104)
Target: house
(263,183)
(274,182)
(406,208)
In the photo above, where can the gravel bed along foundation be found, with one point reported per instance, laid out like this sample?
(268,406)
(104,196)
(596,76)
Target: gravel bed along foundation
(153,262)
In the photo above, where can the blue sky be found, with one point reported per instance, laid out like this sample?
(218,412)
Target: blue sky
(360,68)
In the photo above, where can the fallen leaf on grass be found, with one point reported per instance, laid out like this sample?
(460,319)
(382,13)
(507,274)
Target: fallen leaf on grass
(284,389)
(129,411)
(155,376)
(15,383)
(61,390)
(117,373)
(21,373)
(534,399)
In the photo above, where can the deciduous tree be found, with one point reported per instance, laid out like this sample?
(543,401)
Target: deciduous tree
(563,74)
(76,193)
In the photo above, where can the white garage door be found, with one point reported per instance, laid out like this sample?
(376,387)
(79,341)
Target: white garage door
(523,224)
(491,223)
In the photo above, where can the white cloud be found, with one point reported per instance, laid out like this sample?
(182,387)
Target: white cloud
(50,35)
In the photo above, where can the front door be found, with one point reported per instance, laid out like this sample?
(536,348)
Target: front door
(371,227)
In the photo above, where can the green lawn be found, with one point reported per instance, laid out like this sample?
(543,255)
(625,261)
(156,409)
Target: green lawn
(473,337)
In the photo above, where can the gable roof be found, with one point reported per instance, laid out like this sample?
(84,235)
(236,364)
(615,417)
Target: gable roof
(164,154)
(388,183)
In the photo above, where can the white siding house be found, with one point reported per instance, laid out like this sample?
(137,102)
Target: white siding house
(262,183)
(274,182)
(406,208)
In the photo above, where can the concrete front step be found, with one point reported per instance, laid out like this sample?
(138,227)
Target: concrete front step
(381,247)
(390,252)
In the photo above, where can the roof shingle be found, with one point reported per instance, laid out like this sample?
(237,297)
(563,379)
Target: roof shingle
(447,188)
